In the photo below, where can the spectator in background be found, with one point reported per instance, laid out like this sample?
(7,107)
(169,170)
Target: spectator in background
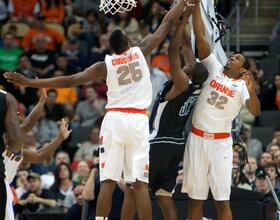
(85,150)
(276,159)
(62,63)
(250,169)
(23,11)
(26,96)
(124,22)
(62,157)
(254,146)
(54,39)
(82,6)
(36,198)
(22,183)
(77,60)
(273,148)
(90,110)
(75,212)
(54,111)
(42,59)
(90,29)
(25,67)
(65,95)
(3,12)
(265,158)
(271,169)
(144,29)
(155,14)
(257,73)
(275,138)
(272,95)
(82,172)
(263,187)
(63,184)
(53,10)
(161,60)
(99,53)
(9,54)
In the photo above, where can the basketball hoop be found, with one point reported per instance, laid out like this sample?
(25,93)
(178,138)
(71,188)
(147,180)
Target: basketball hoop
(114,6)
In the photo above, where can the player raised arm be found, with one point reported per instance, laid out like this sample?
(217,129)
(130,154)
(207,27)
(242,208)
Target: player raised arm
(169,20)
(199,31)
(13,132)
(30,121)
(98,71)
(30,156)
(178,76)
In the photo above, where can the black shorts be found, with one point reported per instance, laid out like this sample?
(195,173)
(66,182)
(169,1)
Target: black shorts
(164,163)
(3,198)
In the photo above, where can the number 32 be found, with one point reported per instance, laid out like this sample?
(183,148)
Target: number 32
(217,101)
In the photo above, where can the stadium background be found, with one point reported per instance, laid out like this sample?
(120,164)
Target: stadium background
(46,38)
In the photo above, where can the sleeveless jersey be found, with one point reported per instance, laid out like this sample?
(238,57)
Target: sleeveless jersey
(128,80)
(169,118)
(3,108)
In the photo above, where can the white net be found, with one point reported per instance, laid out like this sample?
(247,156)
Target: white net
(114,6)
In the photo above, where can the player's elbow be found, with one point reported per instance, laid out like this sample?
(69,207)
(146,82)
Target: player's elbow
(256,112)
(87,196)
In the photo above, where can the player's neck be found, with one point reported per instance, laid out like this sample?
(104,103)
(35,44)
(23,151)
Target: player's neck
(230,74)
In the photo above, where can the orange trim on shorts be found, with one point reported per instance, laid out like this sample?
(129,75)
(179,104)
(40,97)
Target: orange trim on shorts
(207,135)
(128,110)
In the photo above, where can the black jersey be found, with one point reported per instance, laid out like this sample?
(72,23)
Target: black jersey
(169,118)
(2,130)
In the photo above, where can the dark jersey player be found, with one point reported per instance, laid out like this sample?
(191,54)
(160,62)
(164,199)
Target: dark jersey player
(10,127)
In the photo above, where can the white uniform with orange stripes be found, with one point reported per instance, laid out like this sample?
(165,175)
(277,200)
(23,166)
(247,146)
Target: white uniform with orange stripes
(124,135)
(208,154)
(12,163)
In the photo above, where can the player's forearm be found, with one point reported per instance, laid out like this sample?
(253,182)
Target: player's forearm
(88,191)
(50,148)
(174,14)
(253,104)
(47,202)
(30,121)
(188,54)
(54,82)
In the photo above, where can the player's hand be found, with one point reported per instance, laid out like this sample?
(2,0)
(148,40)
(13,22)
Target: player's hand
(249,79)
(43,94)
(189,8)
(17,78)
(63,129)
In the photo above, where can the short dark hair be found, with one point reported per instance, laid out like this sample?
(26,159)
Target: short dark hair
(246,63)
(118,41)
(199,74)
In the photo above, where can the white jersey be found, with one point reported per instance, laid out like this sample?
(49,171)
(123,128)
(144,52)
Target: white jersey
(128,80)
(11,166)
(220,100)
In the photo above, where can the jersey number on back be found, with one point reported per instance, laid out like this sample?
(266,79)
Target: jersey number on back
(129,73)
(217,101)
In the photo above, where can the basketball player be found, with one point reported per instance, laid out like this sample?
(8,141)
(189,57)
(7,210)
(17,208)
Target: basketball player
(8,125)
(12,160)
(125,131)
(208,154)
(171,111)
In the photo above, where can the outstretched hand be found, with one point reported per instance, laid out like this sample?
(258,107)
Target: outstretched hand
(249,79)
(16,78)
(63,129)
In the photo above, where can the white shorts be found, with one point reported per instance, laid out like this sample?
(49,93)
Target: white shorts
(124,147)
(9,204)
(207,163)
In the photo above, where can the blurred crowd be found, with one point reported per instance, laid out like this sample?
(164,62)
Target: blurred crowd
(49,38)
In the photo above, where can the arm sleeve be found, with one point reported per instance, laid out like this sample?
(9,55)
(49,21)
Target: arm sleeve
(212,64)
